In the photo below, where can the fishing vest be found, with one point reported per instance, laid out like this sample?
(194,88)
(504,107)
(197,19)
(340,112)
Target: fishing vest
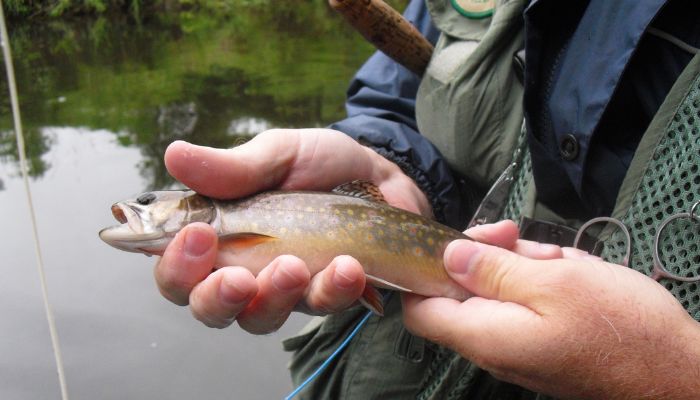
(384,360)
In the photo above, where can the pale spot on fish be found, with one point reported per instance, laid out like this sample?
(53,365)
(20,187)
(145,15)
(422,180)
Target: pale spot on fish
(351,212)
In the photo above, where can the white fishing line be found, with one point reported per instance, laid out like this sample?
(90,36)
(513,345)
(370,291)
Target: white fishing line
(7,56)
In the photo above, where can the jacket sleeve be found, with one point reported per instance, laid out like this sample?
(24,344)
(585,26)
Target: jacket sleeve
(381,115)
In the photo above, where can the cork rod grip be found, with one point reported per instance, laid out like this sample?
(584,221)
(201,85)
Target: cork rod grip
(387,30)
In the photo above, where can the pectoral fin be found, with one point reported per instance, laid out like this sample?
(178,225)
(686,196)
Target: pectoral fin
(243,240)
(372,299)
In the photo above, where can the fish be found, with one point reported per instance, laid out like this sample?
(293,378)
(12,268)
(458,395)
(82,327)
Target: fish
(398,250)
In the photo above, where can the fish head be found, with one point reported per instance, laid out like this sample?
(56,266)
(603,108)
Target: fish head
(150,221)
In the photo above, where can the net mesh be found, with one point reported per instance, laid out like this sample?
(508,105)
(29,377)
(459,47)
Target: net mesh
(670,185)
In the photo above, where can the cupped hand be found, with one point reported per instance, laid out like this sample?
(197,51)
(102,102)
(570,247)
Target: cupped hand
(560,321)
(308,159)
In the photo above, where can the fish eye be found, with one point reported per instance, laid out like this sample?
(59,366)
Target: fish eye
(146,199)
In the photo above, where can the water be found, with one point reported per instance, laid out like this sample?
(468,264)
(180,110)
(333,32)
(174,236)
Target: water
(100,101)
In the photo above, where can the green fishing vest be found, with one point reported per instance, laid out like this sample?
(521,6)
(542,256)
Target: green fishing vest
(470,94)
(384,361)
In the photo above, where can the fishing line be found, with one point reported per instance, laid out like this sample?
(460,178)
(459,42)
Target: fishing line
(335,353)
(331,357)
(5,42)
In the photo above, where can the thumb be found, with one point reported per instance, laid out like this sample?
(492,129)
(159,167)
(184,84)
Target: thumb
(231,173)
(491,272)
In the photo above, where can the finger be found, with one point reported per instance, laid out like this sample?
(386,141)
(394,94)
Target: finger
(492,272)
(218,299)
(280,287)
(187,260)
(493,326)
(336,287)
(502,234)
(573,253)
(537,250)
(505,234)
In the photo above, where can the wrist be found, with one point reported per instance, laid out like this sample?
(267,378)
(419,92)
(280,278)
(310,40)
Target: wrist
(673,374)
(402,187)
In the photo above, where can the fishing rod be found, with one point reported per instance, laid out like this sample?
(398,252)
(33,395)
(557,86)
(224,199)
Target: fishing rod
(388,31)
(17,120)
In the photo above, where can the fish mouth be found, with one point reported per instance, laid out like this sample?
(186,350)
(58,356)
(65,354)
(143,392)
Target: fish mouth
(123,233)
(123,238)
(118,213)
(128,215)
(130,234)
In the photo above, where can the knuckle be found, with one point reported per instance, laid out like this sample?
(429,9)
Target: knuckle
(503,275)
(261,326)
(172,295)
(172,284)
(175,291)
(321,300)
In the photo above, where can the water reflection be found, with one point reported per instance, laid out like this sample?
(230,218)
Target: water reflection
(100,103)
(199,79)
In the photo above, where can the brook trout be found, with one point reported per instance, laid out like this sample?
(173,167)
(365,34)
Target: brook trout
(399,250)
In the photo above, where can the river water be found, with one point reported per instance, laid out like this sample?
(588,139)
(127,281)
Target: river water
(100,102)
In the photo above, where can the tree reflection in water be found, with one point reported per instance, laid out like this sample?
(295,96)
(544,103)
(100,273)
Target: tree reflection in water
(207,80)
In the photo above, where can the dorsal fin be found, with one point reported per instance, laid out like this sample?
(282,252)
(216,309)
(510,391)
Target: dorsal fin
(362,189)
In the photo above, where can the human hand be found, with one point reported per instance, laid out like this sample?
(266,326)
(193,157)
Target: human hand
(310,159)
(561,322)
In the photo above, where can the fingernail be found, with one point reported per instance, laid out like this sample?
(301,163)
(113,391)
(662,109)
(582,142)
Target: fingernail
(284,279)
(460,256)
(343,276)
(197,243)
(231,292)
